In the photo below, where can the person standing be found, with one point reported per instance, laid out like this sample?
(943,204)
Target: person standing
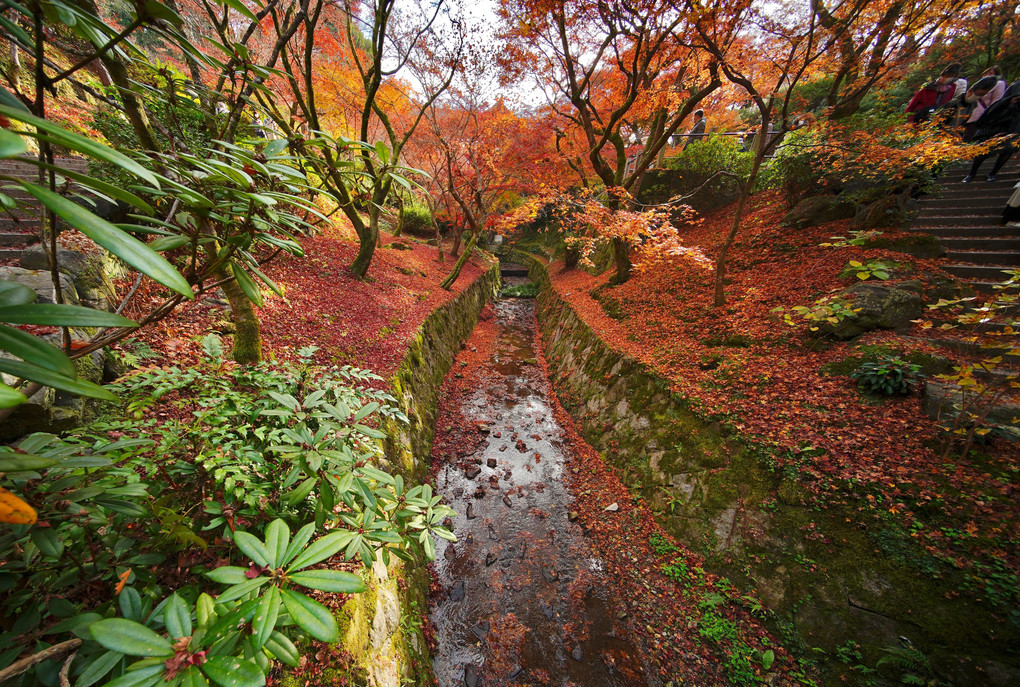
(988,90)
(697,131)
(936,94)
(1000,125)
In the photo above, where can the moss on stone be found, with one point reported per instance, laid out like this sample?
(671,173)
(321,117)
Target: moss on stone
(827,577)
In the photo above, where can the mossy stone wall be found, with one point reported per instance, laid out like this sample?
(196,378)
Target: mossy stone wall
(381,627)
(828,581)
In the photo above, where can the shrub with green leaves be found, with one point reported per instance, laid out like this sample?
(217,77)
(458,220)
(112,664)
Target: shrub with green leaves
(877,269)
(713,154)
(210,464)
(887,376)
(416,219)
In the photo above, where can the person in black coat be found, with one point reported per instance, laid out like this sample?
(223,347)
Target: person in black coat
(1000,124)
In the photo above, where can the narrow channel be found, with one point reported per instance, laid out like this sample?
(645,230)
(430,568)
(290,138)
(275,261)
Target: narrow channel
(523,599)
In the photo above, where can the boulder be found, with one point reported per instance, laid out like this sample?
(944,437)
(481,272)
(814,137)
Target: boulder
(92,273)
(811,212)
(878,306)
(885,212)
(41,282)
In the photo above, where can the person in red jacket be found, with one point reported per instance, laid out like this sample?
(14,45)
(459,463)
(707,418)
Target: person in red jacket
(934,95)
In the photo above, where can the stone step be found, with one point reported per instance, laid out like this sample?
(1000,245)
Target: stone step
(954,221)
(964,202)
(966,232)
(1001,258)
(979,274)
(986,189)
(1000,244)
(17,239)
(10,253)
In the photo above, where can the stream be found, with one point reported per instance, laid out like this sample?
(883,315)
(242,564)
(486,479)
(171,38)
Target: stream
(524,599)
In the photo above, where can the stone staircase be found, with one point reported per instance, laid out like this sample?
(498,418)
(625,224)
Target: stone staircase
(965,218)
(19,227)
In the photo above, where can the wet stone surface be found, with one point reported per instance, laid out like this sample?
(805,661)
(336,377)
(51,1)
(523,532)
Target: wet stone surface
(524,598)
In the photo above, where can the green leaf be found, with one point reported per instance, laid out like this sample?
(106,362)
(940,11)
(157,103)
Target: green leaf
(15,30)
(130,638)
(169,242)
(229,671)
(177,617)
(193,677)
(143,677)
(298,541)
(10,143)
(98,669)
(62,316)
(248,285)
(13,293)
(320,550)
(311,616)
(101,186)
(252,547)
(20,462)
(239,590)
(157,10)
(123,245)
(228,574)
(50,378)
(46,539)
(277,539)
(80,143)
(34,350)
(6,97)
(767,659)
(9,398)
(329,581)
(275,147)
(130,602)
(264,622)
(283,649)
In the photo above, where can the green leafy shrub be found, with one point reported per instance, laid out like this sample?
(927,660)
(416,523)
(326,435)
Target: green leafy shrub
(203,466)
(713,154)
(529,290)
(416,219)
(887,376)
(878,269)
(828,310)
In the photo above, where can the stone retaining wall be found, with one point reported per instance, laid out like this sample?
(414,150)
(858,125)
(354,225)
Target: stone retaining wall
(827,580)
(380,627)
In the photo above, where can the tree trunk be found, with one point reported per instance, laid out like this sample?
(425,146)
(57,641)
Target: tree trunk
(457,266)
(367,237)
(720,261)
(571,256)
(457,238)
(248,332)
(621,258)
(400,216)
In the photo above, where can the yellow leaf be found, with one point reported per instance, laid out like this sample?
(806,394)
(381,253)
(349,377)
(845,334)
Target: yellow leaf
(15,511)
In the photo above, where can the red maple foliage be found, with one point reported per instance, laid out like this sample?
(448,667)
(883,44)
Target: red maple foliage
(365,323)
(881,460)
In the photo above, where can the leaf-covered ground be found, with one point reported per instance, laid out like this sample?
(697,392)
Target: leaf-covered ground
(361,323)
(742,364)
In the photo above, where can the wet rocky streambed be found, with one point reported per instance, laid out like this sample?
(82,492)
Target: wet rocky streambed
(523,598)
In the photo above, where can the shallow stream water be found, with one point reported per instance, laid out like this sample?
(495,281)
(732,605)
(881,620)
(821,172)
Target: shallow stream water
(526,600)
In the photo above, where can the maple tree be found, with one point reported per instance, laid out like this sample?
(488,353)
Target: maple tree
(872,41)
(428,37)
(611,72)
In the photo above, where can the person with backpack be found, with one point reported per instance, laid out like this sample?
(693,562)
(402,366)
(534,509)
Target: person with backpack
(1000,126)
